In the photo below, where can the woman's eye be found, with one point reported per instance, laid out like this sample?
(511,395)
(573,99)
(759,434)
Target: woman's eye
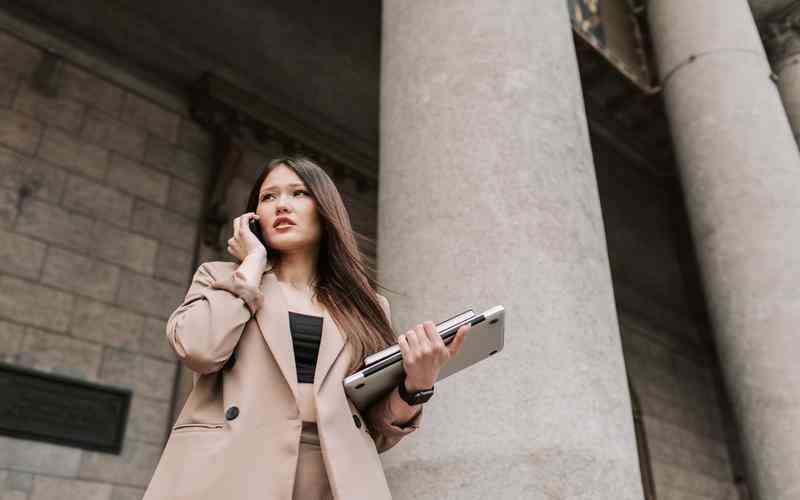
(266,196)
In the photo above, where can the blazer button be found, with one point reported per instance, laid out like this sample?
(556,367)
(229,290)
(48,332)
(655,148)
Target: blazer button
(231,413)
(357,421)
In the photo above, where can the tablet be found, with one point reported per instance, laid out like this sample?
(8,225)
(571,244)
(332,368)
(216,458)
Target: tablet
(384,369)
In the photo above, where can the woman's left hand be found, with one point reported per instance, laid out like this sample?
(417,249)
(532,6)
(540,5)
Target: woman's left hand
(424,354)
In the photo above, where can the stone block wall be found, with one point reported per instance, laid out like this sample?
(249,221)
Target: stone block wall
(686,422)
(101,182)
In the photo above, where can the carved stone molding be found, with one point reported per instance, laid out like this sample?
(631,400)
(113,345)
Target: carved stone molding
(216,101)
(235,117)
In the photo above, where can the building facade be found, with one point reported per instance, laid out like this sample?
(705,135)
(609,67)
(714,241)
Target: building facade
(638,222)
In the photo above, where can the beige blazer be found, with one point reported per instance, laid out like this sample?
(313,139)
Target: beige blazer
(237,436)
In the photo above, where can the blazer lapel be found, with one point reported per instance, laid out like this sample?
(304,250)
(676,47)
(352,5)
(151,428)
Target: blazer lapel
(273,321)
(331,345)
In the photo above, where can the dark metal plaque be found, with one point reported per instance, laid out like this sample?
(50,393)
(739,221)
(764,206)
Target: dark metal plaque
(62,410)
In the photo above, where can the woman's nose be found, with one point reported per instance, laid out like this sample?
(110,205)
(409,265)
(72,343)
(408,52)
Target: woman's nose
(283,201)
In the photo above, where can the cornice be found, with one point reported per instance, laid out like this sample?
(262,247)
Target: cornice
(236,118)
(222,107)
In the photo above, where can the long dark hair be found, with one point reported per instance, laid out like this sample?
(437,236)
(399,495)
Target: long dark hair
(342,284)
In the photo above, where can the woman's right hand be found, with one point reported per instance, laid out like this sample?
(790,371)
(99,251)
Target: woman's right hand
(244,242)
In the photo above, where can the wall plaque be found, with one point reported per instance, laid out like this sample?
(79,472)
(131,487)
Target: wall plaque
(62,410)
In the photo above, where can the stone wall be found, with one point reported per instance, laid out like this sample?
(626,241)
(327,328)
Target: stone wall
(101,181)
(668,352)
(684,417)
(320,60)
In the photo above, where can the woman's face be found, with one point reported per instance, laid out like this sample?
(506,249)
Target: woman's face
(283,194)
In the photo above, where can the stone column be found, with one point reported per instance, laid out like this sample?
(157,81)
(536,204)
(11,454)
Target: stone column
(783,43)
(740,170)
(488,196)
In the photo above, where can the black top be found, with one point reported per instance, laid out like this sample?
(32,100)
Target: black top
(306,335)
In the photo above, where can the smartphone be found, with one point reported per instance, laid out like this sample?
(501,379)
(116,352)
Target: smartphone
(255,227)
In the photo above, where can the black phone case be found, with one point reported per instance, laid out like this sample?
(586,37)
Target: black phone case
(255,227)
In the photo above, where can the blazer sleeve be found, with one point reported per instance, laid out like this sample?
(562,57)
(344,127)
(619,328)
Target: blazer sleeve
(380,421)
(204,330)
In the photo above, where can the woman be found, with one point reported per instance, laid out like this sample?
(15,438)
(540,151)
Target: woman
(268,417)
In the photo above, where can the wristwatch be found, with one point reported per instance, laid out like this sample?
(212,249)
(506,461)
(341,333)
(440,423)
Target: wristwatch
(414,398)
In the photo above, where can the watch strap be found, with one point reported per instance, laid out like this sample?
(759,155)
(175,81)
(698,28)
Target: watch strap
(416,397)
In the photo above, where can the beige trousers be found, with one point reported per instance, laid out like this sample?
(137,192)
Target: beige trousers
(311,479)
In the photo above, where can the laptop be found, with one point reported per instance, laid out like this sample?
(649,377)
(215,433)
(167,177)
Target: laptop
(383,370)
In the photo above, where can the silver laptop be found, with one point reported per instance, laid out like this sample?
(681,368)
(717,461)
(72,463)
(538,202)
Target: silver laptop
(383,370)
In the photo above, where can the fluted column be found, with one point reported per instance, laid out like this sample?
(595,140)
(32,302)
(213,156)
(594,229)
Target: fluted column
(740,170)
(488,196)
